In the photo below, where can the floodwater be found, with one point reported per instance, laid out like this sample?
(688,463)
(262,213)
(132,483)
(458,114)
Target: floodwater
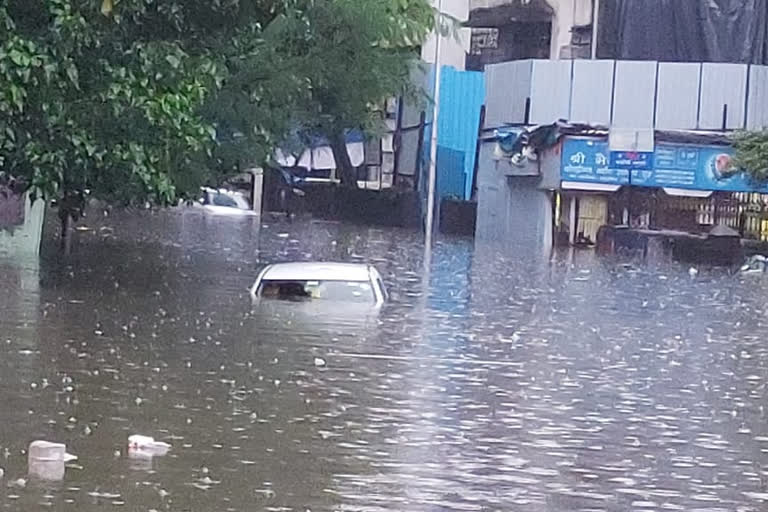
(495,382)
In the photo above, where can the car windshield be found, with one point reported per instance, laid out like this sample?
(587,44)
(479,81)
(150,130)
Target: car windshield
(224,200)
(338,291)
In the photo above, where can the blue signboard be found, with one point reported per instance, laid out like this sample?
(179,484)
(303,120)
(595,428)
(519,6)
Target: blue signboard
(695,168)
(632,160)
(587,161)
(673,166)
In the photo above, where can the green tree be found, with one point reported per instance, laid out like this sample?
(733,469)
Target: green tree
(752,154)
(351,55)
(145,100)
(110,97)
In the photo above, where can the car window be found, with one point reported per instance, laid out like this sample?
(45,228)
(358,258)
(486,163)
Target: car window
(339,291)
(224,200)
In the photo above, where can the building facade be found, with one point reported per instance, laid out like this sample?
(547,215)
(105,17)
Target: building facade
(677,81)
(505,30)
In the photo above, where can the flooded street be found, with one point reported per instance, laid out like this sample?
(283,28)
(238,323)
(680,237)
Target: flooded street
(495,382)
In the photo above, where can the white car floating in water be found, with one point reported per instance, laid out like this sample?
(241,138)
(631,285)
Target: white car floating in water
(226,202)
(314,281)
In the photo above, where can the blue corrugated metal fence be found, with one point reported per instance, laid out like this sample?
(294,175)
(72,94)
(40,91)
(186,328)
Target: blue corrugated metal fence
(462,94)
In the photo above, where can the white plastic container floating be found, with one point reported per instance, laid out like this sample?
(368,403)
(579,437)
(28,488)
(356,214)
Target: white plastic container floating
(47,460)
(146,447)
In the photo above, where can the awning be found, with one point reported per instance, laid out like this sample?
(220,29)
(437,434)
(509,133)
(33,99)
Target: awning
(589,187)
(681,192)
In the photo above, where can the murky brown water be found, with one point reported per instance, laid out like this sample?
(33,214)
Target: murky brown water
(508,385)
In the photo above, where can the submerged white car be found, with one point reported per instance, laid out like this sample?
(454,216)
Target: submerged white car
(326,282)
(226,202)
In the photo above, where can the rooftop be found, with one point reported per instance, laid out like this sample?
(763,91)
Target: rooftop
(317,271)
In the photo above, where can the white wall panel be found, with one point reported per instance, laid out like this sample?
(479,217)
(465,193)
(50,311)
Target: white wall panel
(722,84)
(634,94)
(677,98)
(592,91)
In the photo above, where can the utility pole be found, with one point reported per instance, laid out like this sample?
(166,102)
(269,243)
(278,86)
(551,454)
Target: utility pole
(595,22)
(432,177)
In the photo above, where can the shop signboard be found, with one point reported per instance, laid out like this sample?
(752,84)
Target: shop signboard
(696,168)
(631,148)
(682,166)
(588,161)
(632,160)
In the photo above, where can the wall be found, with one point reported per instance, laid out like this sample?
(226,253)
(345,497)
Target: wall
(453,49)
(566,14)
(511,41)
(462,94)
(461,101)
(390,207)
(25,239)
(514,212)
(629,94)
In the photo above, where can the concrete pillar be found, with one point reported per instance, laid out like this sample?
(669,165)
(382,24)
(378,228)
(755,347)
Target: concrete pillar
(257,190)
(513,211)
(572,222)
(25,239)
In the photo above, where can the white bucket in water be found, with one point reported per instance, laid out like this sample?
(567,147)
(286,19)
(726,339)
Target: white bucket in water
(47,460)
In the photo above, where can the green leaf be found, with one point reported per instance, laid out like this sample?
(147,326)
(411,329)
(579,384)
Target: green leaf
(17,96)
(18,58)
(24,74)
(73,75)
(50,71)
(173,61)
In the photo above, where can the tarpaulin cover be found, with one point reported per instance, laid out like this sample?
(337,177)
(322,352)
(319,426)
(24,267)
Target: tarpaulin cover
(684,30)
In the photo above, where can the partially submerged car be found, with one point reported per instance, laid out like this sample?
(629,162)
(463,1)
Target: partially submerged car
(321,282)
(226,202)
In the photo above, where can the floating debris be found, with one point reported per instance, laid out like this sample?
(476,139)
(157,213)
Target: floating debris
(47,460)
(140,446)
(19,483)
(104,495)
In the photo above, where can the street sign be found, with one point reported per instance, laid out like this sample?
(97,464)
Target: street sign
(632,160)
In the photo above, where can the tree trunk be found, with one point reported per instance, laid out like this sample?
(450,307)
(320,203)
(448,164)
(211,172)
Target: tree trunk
(66,233)
(344,168)
(71,208)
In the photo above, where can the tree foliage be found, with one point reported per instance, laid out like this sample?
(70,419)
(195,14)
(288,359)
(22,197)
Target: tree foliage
(752,154)
(145,100)
(353,55)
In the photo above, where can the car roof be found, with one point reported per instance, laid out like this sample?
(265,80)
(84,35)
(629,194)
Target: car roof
(317,271)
